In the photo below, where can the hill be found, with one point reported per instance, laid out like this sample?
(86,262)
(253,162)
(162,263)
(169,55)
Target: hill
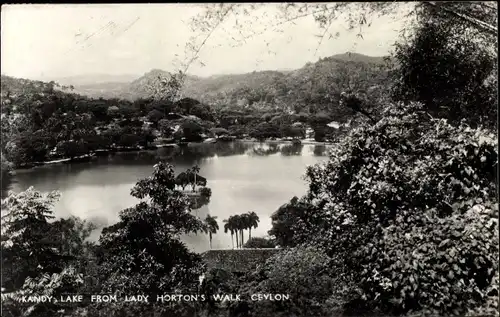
(91,79)
(246,89)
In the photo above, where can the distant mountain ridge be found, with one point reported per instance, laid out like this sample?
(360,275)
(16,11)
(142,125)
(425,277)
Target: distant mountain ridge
(222,88)
(92,79)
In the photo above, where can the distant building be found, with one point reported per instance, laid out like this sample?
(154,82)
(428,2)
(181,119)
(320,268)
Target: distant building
(334,124)
(309,133)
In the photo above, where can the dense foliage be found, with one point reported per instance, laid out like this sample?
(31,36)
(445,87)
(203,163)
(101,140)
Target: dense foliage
(409,210)
(452,74)
(401,220)
(259,243)
(41,122)
(38,256)
(301,273)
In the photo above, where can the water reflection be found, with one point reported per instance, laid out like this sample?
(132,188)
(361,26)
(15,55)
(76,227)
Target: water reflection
(291,149)
(180,157)
(320,150)
(263,149)
(242,177)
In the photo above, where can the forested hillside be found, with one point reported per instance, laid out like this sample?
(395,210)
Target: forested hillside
(43,121)
(263,88)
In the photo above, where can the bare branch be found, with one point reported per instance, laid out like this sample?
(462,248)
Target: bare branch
(475,22)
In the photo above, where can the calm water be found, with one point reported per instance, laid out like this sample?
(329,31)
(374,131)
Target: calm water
(243,177)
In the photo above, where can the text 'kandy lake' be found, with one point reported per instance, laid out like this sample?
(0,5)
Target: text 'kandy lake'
(148,298)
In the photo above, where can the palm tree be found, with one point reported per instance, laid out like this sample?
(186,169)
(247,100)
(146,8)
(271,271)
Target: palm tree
(228,226)
(195,170)
(253,221)
(240,224)
(236,223)
(212,227)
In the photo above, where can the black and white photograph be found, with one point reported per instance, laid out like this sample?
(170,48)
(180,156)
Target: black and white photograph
(286,159)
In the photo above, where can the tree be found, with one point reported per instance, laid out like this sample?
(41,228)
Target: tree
(202,111)
(234,220)
(468,15)
(241,222)
(195,170)
(212,227)
(449,73)
(138,252)
(155,116)
(219,131)
(128,140)
(191,177)
(28,147)
(72,148)
(112,111)
(71,235)
(265,130)
(165,128)
(192,130)
(236,224)
(293,222)
(6,166)
(229,228)
(253,221)
(38,256)
(27,251)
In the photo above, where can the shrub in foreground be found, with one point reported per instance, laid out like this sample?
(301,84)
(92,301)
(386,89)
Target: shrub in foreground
(259,243)
(412,212)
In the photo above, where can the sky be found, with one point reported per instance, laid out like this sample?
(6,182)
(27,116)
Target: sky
(55,41)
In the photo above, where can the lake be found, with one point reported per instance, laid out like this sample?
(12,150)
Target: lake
(243,177)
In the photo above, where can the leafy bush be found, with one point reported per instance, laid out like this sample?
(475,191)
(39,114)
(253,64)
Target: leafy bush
(6,166)
(72,148)
(412,214)
(26,251)
(265,130)
(205,192)
(155,115)
(56,285)
(128,140)
(191,130)
(259,243)
(293,222)
(38,256)
(302,273)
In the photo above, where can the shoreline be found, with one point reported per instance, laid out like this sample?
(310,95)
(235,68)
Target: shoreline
(302,142)
(105,152)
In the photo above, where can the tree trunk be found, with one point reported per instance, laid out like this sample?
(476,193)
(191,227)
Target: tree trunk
(249,233)
(210,236)
(241,234)
(237,240)
(232,240)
